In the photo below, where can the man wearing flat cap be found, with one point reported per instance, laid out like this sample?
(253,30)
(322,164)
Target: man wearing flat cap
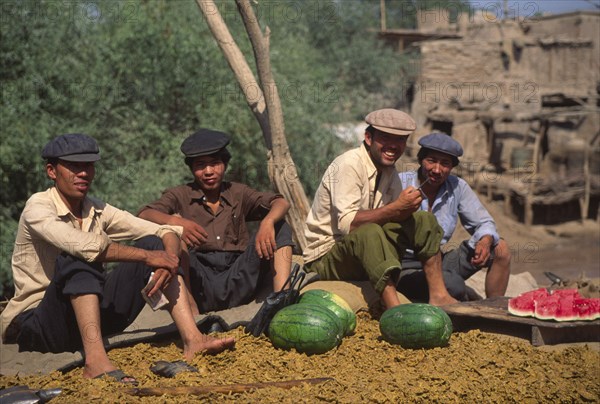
(224,266)
(450,198)
(64,300)
(361,220)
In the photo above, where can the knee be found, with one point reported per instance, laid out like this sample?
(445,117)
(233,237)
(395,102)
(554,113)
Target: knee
(150,243)
(426,222)
(425,218)
(283,235)
(502,253)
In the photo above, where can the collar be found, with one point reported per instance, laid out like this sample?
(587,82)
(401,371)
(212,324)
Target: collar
(89,208)
(198,194)
(367,161)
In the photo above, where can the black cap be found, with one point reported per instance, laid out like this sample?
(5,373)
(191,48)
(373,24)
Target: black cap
(204,142)
(72,147)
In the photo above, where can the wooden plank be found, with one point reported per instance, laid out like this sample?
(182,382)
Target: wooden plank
(491,315)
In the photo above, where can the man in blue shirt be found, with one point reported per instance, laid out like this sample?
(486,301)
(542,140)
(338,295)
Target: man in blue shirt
(450,198)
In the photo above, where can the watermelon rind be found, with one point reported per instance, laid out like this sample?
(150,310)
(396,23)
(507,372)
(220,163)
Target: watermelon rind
(307,328)
(415,326)
(334,303)
(523,305)
(557,305)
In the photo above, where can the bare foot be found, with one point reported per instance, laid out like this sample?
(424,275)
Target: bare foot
(442,300)
(91,371)
(207,344)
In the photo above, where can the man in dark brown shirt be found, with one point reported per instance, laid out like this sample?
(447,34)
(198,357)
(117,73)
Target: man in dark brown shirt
(224,265)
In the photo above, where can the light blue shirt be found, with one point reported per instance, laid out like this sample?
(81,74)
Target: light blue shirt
(455,199)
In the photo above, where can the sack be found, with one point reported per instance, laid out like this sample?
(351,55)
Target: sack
(276,301)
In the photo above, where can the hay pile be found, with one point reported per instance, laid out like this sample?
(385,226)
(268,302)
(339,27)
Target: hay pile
(475,367)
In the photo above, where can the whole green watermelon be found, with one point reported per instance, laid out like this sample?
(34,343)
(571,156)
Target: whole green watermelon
(308,328)
(334,303)
(416,325)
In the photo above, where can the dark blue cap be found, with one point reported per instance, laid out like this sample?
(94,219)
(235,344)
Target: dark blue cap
(72,147)
(204,142)
(442,143)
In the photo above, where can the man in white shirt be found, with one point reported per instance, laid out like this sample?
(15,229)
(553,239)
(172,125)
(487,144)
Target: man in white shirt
(64,301)
(361,218)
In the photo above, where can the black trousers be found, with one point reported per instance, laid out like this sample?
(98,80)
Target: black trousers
(52,326)
(224,279)
(456,268)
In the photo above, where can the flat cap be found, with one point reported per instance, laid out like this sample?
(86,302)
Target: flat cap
(72,147)
(204,142)
(391,121)
(442,143)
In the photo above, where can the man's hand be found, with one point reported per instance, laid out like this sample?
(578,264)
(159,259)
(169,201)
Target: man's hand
(482,251)
(408,201)
(161,279)
(162,260)
(265,240)
(193,235)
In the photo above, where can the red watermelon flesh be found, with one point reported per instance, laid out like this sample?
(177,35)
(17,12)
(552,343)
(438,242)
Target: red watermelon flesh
(566,293)
(557,308)
(587,309)
(523,305)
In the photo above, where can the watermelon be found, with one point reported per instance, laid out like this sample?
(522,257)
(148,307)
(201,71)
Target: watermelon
(560,305)
(334,303)
(308,328)
(416,325)
(587,309)
(573,293)
(523,305)
(555,307)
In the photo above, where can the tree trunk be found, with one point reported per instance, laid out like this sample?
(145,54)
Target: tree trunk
(264,102)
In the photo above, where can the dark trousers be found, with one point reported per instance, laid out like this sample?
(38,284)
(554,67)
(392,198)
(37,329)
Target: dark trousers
(224,279)
(456,268)
(52,326)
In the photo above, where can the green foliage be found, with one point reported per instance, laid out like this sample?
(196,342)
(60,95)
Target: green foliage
(140,76)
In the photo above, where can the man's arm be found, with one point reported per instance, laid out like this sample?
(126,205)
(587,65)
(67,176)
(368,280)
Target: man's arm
(482,250)
(398,210)
(265,236)
(166,262)
(193,235)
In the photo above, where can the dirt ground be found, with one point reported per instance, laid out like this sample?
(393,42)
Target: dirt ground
(475,367)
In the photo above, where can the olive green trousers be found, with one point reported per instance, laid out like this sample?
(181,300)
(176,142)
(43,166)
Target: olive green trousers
(373,252)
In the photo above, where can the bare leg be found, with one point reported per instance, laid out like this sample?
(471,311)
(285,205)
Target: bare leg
(496,280)
(193,340)
(280,267)
(438,294)
(87,313)
(185,266)
(389,295)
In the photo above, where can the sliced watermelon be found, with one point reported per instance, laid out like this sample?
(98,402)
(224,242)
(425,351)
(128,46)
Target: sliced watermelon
(523,305)
(566,293)
(557,308)
(587,309)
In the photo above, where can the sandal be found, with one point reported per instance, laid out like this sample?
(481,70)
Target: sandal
(170,369)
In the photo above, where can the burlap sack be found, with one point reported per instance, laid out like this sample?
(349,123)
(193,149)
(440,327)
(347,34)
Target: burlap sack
(359,295)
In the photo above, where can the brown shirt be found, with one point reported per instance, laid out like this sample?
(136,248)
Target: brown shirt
(226,229)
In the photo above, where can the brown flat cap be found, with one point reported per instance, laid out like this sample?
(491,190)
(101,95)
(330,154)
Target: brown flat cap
(392,121)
